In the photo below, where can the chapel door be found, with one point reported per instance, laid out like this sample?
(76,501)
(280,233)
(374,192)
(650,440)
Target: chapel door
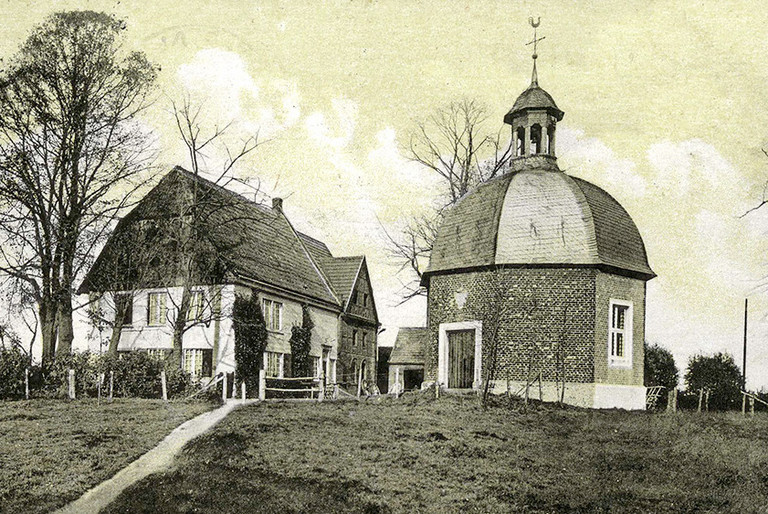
(461,359)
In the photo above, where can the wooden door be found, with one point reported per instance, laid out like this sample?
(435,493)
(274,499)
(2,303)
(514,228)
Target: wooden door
(461,359)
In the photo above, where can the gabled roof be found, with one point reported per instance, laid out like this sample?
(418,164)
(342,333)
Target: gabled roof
(410,346)
(342,272)
(252,241)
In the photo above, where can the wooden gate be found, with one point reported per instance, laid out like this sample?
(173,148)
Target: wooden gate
(461,359)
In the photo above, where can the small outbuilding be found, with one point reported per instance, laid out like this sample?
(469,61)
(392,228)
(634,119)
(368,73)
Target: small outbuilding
(406,363)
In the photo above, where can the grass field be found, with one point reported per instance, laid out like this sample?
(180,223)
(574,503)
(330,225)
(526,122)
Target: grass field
(418,455)
(52,451)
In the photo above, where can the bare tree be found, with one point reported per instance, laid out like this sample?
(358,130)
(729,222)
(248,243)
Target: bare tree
(69,140)
(455,144)
(198,212)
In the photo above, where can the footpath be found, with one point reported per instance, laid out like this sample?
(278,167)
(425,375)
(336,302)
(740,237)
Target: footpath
(155,460)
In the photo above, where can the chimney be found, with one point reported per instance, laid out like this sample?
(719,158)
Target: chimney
(277,204)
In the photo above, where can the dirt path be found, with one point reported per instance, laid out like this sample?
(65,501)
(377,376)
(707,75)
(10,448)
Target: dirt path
(157,459)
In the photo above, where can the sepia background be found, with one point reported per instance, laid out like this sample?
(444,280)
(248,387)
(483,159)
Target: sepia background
(665,109)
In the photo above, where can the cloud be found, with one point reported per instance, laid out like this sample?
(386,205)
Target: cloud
(590,156)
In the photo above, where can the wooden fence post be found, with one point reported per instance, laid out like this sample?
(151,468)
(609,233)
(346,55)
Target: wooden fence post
(26,383)
(701,398)
(706,400)
(164,385)
(99,380)
(437,390)
(541,393)
(672,400)
(262,385)
(744,403)
(111,384)
(242,390)
(751,406)
(321,393)
(359,381)
(71,376)
(224,388)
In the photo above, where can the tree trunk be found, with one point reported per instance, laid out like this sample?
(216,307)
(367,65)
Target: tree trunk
(64,321)
(47,329)
(179,325)
(117,329)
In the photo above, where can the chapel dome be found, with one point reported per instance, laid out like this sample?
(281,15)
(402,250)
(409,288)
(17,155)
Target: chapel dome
(535,216)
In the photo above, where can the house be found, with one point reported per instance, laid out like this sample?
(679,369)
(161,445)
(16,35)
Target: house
(537,275)
(406,362)
(245,249)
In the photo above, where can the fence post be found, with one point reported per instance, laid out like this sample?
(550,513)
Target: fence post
(164,385)
(335,391)
(98,388)
(751,406)
(359,381)
(262,385)
(672,400)
(701,398)
(111,384)
(26,383)
(706,400)
(71,375)
(224,388)
(744,403)
(437,390)
(541,393)
(321,393)
(242,390)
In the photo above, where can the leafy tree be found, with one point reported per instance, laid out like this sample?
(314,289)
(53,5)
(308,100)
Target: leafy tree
(301,343)
(69,138)
(660,367)
(250,338)
(718,373)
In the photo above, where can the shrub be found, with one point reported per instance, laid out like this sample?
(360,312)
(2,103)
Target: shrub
(660,368)
(718,373)
(13,362)
(136,374)
(178,382)
(54,375)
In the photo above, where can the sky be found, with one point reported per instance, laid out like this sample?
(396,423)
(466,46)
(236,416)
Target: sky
(664,108)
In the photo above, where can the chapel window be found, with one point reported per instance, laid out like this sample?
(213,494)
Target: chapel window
(520,142)
(620,333)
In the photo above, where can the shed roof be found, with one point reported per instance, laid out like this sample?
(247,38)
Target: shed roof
(410,346)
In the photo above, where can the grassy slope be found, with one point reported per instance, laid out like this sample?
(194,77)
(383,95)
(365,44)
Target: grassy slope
(52,451)
(420,456)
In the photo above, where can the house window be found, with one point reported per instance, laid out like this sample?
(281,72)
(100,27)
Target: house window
(365,299)
(316,367)
(124,305)
(273,315)
(620,334)
(365,336)
(354,338)
(277,365)
(198,362)
(156,309)
(156,353)
(195,309)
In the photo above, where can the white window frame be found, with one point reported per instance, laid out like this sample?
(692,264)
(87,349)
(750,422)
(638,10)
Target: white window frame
(268,307)
(162,308)
(442,354)
(280,364)
(624,361)
(196,306)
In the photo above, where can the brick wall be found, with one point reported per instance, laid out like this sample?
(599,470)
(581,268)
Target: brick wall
(349,352)
(616,287)
(545,319)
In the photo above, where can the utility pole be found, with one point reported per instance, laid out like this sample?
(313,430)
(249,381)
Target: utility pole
(744,353)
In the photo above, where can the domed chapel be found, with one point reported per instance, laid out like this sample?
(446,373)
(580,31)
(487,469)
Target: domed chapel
(538,278)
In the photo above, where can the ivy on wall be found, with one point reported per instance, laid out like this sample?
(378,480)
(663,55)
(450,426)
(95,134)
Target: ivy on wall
(301,343)
(250,338)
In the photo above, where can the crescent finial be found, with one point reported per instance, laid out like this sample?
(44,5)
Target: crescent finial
(534,24)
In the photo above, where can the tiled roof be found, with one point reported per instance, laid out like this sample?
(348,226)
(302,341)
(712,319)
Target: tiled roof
(538,217)
(410,346)
(534,98)
(251,240)
(340,271)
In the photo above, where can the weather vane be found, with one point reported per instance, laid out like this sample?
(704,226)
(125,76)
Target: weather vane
(536,40)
